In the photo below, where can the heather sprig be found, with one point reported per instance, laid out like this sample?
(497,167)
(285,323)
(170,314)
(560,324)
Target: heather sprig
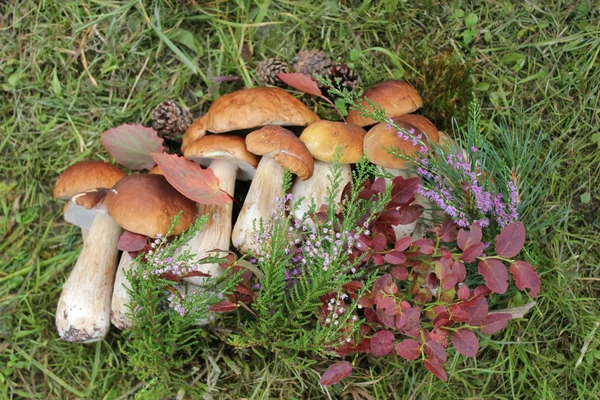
(167,313)
(468,178)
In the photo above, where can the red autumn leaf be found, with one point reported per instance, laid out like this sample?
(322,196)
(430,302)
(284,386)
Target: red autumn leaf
(389,217)
(195,183)
(511,239)
(353,286)
(495,274)
(385,319)
(409,214)
(303,83)
(479,310)
(399,273)
(408,349)
(371,315)
(336,372)
(383,283)
(472,252)
(458,268)
(448,232)
(465,342)
(425,246)
(495,322)
(525,277)
(459,314)
(403,243)
(387,305)
(465,239)
(223,306)
(395,258)
(435,350)
(132,145)
(379,242)
(378,259)
(382,343)
(436,368)
(463,292)
(403,190)
(130,241)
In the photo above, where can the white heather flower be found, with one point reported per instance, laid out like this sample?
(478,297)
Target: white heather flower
(336,323)
(355,318)
(341,310)
(327,321)
(349,340)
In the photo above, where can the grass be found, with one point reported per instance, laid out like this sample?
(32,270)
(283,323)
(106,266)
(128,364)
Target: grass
(70,70)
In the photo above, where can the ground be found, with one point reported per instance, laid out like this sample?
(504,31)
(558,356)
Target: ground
(71,69)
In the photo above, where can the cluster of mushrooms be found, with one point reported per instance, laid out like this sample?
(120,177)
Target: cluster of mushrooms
(241,137)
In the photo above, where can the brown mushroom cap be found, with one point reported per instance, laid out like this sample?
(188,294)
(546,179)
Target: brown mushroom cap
(289,151)
(145,204)
(250,108)
(379,138)
(421,123)
(86,175)
(322,138)
(81,209)
(224,147)
(396,97)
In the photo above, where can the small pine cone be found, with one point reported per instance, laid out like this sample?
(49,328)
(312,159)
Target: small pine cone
(311,62)
(170,120)
(267,71)
(343,77)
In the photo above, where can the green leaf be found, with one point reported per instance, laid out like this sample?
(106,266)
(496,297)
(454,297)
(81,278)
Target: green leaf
(341,105)
(354,55)
(187,39)
(468,36)
(482,86)
(471,20)
(56,87)
(487,36)
(14,79)
(515,58)
(596,138)
(586,198)
(459,12)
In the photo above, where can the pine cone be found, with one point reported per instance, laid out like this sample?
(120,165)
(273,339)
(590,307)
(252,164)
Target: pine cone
(311,62)
(170,120)
(267,71)
(343,77)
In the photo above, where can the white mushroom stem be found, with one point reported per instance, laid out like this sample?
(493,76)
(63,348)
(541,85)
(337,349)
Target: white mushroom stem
(316,188)
(416,229)
(259,203)
(216,234)
(83,312)
(119,307)
(84,234)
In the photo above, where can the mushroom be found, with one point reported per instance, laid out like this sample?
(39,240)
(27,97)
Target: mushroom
(323,138)
(86,175)
(146,205)
(228,158)
(378,139)
(83,311)
(250,108)
(394,96)
(281,150)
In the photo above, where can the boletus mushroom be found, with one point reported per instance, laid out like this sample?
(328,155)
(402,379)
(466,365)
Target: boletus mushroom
(146,205)
(281,150)
(83,311)
(323,139)
(86,175)
(396,97)
(377,142)
(247,109)
(228,158)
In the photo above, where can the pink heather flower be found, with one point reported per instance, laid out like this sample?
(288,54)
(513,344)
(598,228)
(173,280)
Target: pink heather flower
(389,124)
(424,150)
(220,295)
(474,149)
